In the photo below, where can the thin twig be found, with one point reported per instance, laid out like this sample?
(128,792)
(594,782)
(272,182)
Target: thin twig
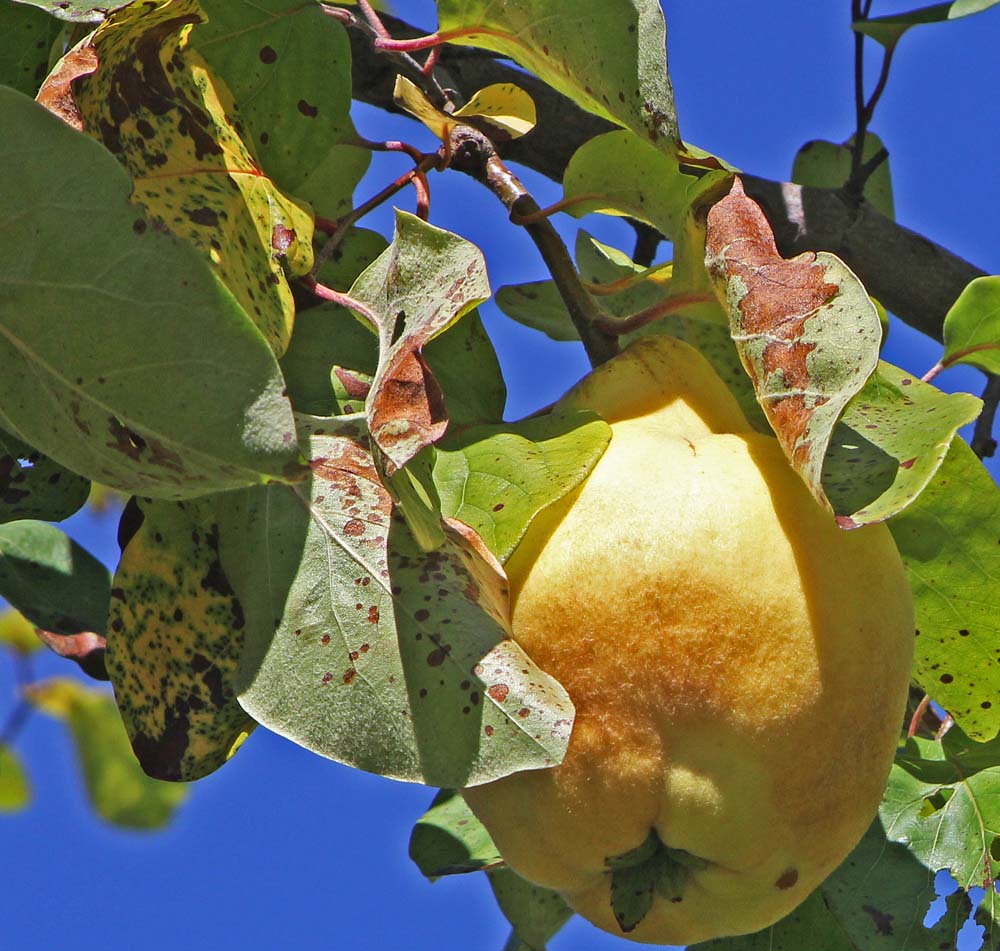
(474,154)
(647,240)
(619,326)
(918,715)
(983,443)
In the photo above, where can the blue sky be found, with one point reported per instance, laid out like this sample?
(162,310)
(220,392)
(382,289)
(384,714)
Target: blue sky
(284,849)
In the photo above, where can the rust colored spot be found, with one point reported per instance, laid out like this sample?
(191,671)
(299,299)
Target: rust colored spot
(354,527)
(365,648)
(349,675)
(788,879)
(307,109)
(488,731)
(523,712)
(498,692)
(946,678)
(327,678)
(908,464)
(373,615)
(498,507)
(325,639)
(354,655)
(267,55)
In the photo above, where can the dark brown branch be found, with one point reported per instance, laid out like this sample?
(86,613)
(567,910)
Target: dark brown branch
(983,443)
(913,277)
(475,155)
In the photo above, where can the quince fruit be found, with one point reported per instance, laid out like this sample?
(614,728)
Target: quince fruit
(738,663)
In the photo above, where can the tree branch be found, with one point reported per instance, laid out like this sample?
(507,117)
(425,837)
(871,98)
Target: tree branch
(913,277)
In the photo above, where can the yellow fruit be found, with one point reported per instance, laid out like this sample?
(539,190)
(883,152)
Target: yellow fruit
(738,663)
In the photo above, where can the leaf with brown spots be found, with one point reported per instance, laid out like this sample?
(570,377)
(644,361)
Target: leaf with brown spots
(117,787)
(272,54)
(449,840)
(33,486)
(155,105)
(536,914)
(949,542)
(807,332)
(608,56)
(943,802)
(174,642)
(24,53)
(876,900)
(129,363)
(78,11)
(365,648)
(417,288)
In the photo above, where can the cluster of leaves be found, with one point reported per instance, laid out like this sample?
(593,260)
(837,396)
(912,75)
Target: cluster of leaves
(322,489)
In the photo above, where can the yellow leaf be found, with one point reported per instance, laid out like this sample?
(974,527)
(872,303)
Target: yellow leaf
(18,633)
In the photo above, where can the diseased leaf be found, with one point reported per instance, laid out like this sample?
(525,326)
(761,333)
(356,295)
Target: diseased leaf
(15,789)
(128,363)
(449,840)
(972,326)
(366,649)
(28,34)
(807,332)
(54,582)
(175,639)
(942,802)
(889,443)
(948,539)
(887,30)
(425,281)
(828,165)
(608,56)
(78,11)
(875,901)
(175,128)
(495,479)
(535,913)
(33,486)
(117,787)
(621,173)
(288,67)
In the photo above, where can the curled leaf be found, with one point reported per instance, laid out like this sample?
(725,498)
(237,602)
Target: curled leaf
(806,331)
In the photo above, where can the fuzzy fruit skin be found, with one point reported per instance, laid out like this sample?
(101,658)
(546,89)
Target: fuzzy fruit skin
(739,664)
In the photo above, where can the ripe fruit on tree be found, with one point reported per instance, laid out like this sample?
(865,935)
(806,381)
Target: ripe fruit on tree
(739,667)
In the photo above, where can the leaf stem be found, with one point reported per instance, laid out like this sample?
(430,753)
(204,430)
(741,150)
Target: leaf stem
(22,710)
(344,300)
(619,326)
(549,210)
(918,716)
(474,154)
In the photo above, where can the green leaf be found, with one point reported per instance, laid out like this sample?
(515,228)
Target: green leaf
(366,649)
(193,174)
(51,580)
(608,56)
(497,478)
(417,288)
(78,11)
(129,363)
(174,640)
(948,539)
(943,803)
(875,901)
(821,164)
(620,173)
(538,305)
(449,840)
(28,36)
(18,633)
(535,913)
(465,365)
(806,330)
(15,789)
(888,29)
(972,326)
(33,486)
(288,67)
(118,789)
(889,443)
